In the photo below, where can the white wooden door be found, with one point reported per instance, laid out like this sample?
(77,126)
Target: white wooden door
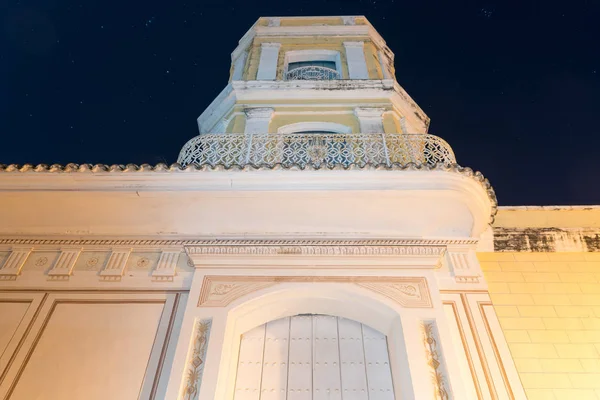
(313,357)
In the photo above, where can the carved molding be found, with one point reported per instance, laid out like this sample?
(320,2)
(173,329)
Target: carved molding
(222,290)
(196,361)
(192,243)
(464,266)
(115,267)
(435,362)
(319,250)
(13,265)
(165,269)
(63,267)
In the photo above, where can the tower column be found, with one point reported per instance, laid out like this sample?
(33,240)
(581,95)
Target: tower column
(357,64)
(258,119)
(370,119)
(267,66)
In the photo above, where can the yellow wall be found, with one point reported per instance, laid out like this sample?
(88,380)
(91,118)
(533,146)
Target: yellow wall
(549,308)
(344,119)
(313,43)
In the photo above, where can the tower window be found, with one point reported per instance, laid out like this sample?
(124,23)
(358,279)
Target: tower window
(315,65)
(300,64)
(312,71)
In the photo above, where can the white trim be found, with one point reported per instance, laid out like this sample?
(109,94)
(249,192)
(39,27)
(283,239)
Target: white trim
(312,55)
(314,126)
(338,300)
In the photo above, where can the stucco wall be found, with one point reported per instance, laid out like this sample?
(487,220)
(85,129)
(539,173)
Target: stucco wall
(548,304)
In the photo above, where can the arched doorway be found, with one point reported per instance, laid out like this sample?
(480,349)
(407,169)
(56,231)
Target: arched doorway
(313,357)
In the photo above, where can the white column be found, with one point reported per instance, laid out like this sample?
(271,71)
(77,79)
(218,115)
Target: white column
(355,56)
(238,67)
(370,119)
(258,119)
(267,66)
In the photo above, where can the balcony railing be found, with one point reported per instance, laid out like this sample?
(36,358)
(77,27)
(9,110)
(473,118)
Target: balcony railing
(316,150)
(312,73)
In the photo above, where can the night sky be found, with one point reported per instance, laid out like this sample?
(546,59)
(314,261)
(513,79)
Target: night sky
(513,86)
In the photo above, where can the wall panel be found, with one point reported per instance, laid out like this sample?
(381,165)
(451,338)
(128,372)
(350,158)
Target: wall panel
(92,346)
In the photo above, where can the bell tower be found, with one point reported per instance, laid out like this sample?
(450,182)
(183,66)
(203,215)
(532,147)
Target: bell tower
(326,74)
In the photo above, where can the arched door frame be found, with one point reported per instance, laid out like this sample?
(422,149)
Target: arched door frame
(402,326)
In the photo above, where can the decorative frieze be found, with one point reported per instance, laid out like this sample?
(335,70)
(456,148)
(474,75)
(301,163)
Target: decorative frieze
(317,249)
(180,243)
(115,267)
(197,359)
(165,270)
(63,267)
(15,261)
(220,291)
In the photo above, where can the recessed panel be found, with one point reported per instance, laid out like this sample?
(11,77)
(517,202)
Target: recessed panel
(90,350)
(11,314)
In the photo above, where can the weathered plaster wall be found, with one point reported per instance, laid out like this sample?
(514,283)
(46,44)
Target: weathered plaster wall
(547,229)
(549,309)
(544,282)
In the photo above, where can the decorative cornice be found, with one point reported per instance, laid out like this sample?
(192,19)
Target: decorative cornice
(232,242)
(318,250)
(176,168)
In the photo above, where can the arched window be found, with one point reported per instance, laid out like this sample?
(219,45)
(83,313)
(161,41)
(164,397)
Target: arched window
(312,65)
(313,356)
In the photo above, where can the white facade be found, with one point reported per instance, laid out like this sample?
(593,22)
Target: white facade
(200,282)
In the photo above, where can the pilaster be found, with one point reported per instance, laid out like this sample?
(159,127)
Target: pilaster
(357,64)
(258,119)
(370,119)
(267,67)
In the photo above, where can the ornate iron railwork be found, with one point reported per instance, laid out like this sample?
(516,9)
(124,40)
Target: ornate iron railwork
(316,150)
(312,73)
